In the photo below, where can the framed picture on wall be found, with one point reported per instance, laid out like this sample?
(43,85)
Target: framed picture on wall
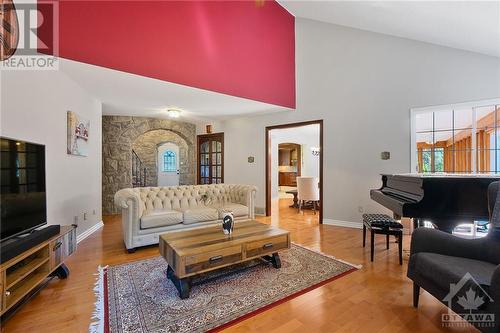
(78,134)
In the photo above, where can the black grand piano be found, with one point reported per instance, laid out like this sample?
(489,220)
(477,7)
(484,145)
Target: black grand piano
(446,200)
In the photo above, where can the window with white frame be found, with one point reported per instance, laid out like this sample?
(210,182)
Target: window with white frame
(458,138)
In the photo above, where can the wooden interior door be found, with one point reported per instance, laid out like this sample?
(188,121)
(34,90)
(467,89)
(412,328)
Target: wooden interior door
(211,158)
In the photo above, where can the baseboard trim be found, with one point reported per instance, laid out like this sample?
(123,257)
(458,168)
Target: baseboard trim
(261,211)
(89,231)
(346,224)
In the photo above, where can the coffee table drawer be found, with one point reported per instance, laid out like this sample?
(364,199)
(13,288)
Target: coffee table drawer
(266,246)
(204,261)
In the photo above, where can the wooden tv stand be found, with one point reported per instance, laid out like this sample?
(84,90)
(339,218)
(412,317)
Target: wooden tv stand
(23,273)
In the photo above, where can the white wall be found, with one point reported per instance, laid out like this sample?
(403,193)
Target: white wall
(362,84)
(33,108)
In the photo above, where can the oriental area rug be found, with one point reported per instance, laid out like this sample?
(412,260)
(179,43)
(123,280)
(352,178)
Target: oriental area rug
(138,297)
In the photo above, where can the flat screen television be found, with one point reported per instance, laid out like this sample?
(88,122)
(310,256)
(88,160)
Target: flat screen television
(23,204)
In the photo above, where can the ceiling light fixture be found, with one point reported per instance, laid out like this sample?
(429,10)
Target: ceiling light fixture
(174,113)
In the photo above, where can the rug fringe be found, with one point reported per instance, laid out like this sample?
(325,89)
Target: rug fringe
(97,324)
(328,255)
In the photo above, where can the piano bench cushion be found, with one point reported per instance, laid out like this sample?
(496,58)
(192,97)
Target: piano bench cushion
(381,221)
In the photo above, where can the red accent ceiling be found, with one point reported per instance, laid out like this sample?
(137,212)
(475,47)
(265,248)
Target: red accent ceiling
(233,47)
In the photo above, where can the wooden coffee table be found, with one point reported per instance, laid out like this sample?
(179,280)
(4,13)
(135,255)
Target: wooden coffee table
(197,251)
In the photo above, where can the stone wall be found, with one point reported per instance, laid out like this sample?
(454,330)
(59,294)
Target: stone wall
(122,134)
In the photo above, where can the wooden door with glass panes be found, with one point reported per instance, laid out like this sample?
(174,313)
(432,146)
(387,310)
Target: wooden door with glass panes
(211,158)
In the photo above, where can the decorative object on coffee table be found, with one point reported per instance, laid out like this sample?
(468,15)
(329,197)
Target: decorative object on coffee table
(192,252)
(227,222)
(135,296)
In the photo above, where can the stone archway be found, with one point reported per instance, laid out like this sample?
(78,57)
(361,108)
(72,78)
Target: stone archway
(118,136)
(146,147)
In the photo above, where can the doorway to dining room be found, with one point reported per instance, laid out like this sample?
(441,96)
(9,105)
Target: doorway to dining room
(294,170)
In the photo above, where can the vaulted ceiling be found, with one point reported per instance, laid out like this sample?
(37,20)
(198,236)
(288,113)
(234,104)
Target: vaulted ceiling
(467,25)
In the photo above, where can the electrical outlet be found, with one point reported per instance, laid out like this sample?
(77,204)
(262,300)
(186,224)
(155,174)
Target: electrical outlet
(85,216)
(75,220)
(360,209)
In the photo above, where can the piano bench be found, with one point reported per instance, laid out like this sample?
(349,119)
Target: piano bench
(383,225)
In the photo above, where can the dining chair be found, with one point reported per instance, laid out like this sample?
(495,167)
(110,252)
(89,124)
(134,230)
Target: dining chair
(307,190)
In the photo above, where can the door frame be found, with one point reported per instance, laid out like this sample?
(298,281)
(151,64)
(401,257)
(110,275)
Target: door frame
(268,162)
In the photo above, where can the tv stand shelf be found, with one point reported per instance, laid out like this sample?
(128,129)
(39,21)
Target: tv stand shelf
(23,273)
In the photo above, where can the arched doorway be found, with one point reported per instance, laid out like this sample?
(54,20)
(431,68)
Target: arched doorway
(168,164)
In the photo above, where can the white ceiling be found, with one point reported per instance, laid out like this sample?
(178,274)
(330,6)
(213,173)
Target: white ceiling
(466,25)
(134,95)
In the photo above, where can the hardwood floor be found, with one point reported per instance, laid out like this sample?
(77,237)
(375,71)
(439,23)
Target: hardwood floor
(377,298)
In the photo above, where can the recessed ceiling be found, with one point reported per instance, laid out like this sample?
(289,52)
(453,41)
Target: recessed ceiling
(134,95)
(467,25)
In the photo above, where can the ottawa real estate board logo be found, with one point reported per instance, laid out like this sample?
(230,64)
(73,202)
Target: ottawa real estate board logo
(474,302)
(29,35)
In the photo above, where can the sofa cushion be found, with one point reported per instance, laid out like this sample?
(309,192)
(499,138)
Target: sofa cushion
(200,214)
(160,218)
(442,270)
(237,209)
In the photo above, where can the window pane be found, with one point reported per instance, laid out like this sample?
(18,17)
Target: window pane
(484,139)
(439,160)
(444,139)
(204,147)
(443,120)
(219,171)
(204,159)
(485,117)
(425,140)
(463,139)
(214,171)
(485,160)
(463,160)
(423,122)
(214,158)
(219,146)
(424,160)
(462,118)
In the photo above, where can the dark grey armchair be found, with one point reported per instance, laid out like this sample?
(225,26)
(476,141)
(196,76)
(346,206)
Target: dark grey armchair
(439,259)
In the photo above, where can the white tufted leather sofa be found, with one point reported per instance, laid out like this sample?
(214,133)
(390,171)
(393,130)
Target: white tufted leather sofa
(148,212)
